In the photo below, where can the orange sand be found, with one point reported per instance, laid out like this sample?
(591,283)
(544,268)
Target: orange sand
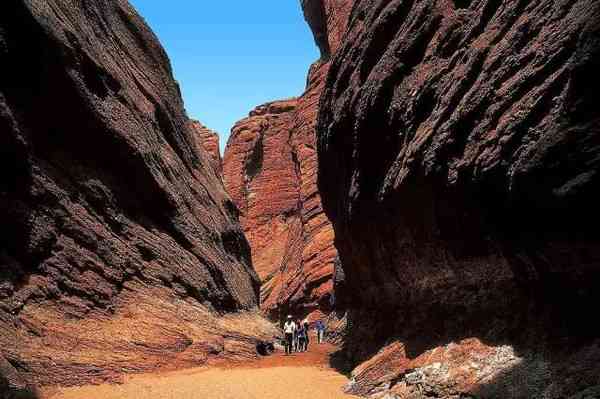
(303,375)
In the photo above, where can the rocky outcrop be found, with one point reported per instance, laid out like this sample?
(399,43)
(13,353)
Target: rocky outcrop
(270,171)
(209,141)
(261,175)
(458,161)
(470,368)
(121,251)
(315,15)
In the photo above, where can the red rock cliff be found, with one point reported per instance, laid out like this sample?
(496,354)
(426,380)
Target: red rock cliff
(209,141)
(120,250)
(459,161)
(270,170)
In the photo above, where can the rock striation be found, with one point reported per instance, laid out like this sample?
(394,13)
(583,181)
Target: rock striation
(120,249)
(208,140)
(260,173)
(459,162)
(270,171)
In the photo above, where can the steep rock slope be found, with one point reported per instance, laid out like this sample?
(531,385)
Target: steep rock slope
(209,141)
(459,148)
(260,174)
(270,170)
(120,248)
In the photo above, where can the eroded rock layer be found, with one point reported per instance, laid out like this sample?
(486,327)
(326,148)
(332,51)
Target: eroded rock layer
(459,161)
(119,246)
(260,174)
(270,170)
(209,140)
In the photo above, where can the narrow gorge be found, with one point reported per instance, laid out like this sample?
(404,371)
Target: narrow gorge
(121,251)
(431,195)
(270,171)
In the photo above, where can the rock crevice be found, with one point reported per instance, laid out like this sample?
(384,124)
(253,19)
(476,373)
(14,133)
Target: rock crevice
(281,212)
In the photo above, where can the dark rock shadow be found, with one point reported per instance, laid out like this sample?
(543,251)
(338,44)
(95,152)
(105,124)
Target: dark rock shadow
(265,348)
(316,17)
(340,362)
(27,393)
(558,345)
(539,377)
(12,385)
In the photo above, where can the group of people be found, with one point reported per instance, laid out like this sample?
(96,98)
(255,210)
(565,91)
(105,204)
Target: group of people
(296,334)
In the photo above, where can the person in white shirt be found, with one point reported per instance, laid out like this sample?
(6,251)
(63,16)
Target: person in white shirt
(289,330)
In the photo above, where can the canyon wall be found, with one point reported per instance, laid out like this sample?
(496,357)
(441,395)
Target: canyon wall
(270,170)
(260,173)
(120,249)
(459,162)
(208,140)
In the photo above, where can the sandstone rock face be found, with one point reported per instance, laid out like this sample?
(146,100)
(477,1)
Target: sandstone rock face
(209,141)
(270,171)
(260,173)
(458,157)
(470,368)
(120,247)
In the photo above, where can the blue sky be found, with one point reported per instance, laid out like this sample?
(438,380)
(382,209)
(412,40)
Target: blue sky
(232,56)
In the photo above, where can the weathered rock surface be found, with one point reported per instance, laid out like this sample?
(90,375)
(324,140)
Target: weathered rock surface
(270,171)
(260,173)
(209,140)
(472,369)
(119,247)
(459,160)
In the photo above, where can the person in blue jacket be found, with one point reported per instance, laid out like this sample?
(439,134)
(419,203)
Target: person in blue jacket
(320,331)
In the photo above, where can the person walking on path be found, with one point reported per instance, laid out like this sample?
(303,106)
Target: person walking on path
(320,331)
(301,338)
(297,337)
(306,325)
(289,330)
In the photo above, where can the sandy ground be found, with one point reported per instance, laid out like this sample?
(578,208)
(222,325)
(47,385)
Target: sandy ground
(302,375)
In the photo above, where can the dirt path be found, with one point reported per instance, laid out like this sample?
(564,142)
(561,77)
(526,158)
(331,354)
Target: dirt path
(303,375)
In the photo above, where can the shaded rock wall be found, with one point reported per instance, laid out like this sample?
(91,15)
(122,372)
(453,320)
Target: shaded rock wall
(270,170)
(458,160)
(209,141)
(315,15)
(119,246)
(319,254)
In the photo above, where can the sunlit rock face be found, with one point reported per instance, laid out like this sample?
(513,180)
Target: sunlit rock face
(459,148)
(270,171)
(208,140)
(120,248)
(260,173)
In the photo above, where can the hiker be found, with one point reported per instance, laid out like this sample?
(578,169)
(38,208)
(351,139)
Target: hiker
(306,335)
(289,330)
(320,331)
(301,338)
(297,337)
